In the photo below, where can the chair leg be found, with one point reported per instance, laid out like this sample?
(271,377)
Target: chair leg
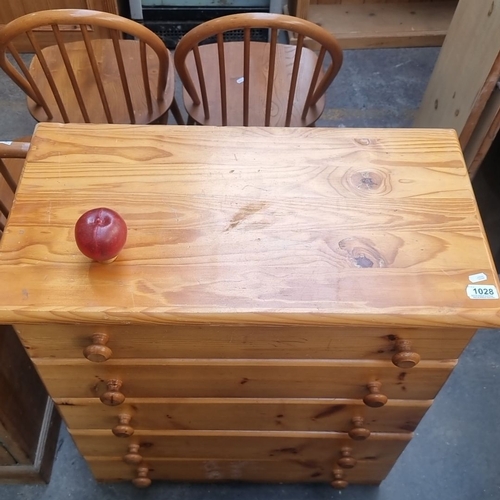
(176,112)
(191,120)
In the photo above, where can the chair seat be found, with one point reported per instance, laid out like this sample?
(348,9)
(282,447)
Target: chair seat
(113,87)
(259,64)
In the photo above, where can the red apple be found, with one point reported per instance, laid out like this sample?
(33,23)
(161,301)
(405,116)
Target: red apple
(100,234)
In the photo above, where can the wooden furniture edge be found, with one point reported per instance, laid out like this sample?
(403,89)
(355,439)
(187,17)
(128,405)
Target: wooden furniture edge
(41,469)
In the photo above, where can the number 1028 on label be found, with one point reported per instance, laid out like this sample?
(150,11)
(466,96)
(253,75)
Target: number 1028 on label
(482,292)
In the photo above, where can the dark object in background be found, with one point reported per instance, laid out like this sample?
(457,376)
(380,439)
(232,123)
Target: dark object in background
(172,23)
(29,423)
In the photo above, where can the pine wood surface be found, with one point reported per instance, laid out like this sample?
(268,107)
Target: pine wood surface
(361,24)
(256,445)
(244,414)
(199,341)
(267,247)
(242,378)
(457,92)
(291,470)
(248,226)
(391,24)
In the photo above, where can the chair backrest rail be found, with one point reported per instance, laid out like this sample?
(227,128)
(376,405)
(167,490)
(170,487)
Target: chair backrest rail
(314,81)
(222,75)
(145,75)
(71,73)
(246,76)
(270,77)
(201,79)
(293,79)
(4,210)
(10,150)
(96,72)
(48,75)
(123,75)
(8,178)
(32,89)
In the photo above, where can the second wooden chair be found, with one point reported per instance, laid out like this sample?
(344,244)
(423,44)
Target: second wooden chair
(103,78)
(256,83)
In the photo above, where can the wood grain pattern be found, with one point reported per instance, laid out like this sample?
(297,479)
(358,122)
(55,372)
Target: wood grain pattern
(263,471)
(244,414)
(249,226)
(251,445)
(200,341)
(457,92)
(157,378)
(361,24)
(268,277)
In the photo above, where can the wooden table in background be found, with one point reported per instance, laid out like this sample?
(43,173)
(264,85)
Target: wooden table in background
(276,289)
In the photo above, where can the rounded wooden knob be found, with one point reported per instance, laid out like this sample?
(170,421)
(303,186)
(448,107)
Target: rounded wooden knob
(375,399)
(123,429)
(346,460)
(405,357)
(97,352)
(132,457)
(142,480)
(358,432)
(338,479)
(113,396)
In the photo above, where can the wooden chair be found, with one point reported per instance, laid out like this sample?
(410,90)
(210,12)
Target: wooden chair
(255,83)
(103,78)
(12,156)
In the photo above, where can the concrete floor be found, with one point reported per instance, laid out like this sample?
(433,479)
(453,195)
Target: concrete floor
(454,454)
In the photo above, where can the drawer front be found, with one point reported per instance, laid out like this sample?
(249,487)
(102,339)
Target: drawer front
(252,445)
(245,414)
(242,378)
(140,341)
(259,471)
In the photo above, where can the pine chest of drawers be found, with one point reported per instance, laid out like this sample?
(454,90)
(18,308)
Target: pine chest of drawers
(288,304)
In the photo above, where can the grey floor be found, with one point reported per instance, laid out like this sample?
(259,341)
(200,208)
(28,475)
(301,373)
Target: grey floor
(455,451)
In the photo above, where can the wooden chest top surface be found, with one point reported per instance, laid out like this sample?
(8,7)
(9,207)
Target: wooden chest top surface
(247,226)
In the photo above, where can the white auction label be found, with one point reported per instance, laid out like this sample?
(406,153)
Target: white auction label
(482,292)
(476,278)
